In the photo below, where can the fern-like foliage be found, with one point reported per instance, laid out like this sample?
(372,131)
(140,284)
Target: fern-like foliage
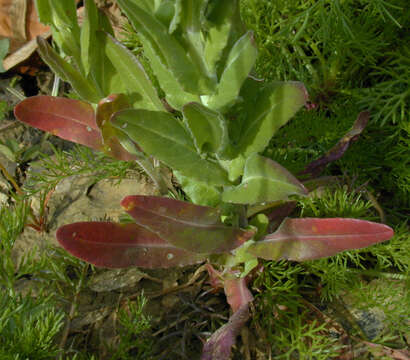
(28,328)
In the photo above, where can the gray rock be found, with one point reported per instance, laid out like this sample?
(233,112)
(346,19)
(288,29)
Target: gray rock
(71,203)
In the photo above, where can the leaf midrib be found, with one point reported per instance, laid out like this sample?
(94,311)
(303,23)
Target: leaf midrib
(298,237)
(162,136)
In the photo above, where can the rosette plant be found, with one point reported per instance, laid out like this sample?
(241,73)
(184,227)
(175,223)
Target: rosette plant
(210,129)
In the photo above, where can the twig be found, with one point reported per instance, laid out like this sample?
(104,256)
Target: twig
(73,309)
(9,126)
(376,205)
(173,288)
(10,178)
(396,354)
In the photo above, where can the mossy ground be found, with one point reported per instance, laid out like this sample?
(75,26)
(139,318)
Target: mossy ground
(352,56)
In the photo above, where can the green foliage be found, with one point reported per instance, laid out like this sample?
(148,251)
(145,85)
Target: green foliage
(28,328)
(18,154)
(392,298)
(336,201)
(50,170)
(389,98)
(393,255)
(4,49)
(281,314)
(135,325)
(12,222)
(326,44)
(3,109)
(352,56)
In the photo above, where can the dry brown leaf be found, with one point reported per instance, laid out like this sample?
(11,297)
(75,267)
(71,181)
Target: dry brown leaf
(19,22)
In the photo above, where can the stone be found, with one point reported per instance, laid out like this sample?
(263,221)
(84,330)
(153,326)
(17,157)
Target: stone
(118,279)
(73,201)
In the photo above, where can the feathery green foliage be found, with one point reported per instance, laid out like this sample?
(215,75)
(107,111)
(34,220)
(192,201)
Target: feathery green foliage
(134,342)
(28,328)
(287,328)
(50,170)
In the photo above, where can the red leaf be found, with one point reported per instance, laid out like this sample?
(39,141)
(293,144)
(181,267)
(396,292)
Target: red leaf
(185,225)
(69,119)
(236,290)
(105,109)
(237,293)
(113,245)
(218,346)
(310,238)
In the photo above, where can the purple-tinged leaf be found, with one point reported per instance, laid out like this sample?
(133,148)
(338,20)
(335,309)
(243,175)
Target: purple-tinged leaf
(218,346)
(215,277)
(237,292)
(279,213)
(337,151)
(105,109)
(235,287)
(185,225)
(311,238)
(113,245)
(69,119)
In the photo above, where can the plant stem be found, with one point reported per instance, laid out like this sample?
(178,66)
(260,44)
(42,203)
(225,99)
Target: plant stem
(153,174)
(73,309)
(10,178)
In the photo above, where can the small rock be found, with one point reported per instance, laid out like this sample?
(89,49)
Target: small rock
(169,301)
(3,199)
(102,201)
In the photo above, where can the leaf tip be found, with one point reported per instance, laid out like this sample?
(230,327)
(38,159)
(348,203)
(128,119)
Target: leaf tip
(128,203)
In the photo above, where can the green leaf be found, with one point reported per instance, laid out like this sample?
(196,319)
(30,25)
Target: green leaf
(207,127)
(94,60)
(175,95)
(164,46)
(4,49)
(199,192)
(67,72)
(234,167)
(7,152)
(192,39)
(240,61)
(261,222)
(44,11)
(217,37)
(177,16)
(147,5)
(133,75)
(64,14)
(275,105)
(263,181)
(88,35)
(103,72)
(68,45)
(163,136)
(165,12)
